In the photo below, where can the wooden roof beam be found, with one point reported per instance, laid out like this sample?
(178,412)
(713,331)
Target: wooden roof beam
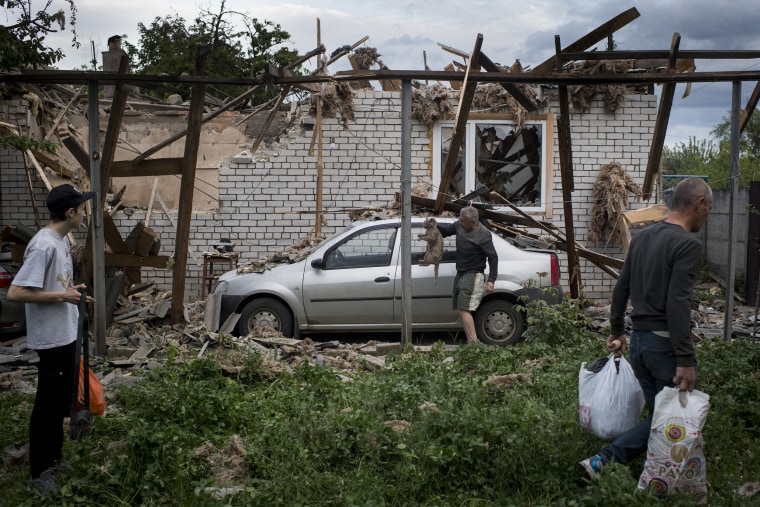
(511,88)
(187,184)
(749,108)
(661,123)
(112,131)
(566,174)
(460,123)
(591,38)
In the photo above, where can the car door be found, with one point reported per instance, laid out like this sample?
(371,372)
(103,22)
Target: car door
(356,282)
(431,301)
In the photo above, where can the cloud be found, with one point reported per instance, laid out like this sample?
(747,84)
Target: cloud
(402,29)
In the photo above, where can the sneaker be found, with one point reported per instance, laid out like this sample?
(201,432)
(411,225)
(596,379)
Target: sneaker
(591,466)
(44,485)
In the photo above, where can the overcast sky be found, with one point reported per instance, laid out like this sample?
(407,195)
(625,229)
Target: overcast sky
(402,29)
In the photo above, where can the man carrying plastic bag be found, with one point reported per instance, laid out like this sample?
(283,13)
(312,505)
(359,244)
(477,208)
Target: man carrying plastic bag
(658,276)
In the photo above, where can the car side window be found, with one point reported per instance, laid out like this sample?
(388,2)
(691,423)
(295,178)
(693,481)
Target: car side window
(419,247)
(369,248)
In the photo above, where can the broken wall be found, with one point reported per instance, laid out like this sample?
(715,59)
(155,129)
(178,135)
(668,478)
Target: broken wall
(267,204)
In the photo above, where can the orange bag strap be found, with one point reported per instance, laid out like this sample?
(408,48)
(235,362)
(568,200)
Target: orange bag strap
(82,347)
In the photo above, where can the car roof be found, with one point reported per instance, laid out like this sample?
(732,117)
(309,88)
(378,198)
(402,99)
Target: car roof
(397,220)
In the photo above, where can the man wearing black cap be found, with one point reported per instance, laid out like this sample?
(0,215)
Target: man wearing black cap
(45,282)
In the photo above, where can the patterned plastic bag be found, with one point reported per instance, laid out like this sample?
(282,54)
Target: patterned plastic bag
(610,398)
(675,456)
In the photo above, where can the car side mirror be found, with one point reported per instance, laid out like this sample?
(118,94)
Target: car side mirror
(317,263)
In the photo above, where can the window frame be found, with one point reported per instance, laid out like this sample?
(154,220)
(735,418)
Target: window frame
(547,157)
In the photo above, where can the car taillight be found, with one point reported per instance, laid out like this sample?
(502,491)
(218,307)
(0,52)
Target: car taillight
(555,269)
(5,279)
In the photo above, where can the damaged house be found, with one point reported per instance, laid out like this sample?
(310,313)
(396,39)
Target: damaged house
(308,167)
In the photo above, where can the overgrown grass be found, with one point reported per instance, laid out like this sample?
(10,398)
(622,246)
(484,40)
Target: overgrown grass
(427,432)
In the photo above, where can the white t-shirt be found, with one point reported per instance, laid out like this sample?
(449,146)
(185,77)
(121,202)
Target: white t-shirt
(48,266)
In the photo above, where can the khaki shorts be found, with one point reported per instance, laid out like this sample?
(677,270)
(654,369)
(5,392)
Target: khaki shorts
(469,289)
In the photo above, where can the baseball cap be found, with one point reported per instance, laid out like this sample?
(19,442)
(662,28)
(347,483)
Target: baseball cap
(64,197)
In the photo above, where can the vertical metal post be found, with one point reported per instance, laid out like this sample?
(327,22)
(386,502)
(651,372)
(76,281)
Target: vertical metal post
(736,97)
(406,214)
(98,239)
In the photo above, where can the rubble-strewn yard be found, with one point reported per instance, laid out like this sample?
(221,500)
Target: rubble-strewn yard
(199,418)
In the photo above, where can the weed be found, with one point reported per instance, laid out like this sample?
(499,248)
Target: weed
(430,430)
(556,324)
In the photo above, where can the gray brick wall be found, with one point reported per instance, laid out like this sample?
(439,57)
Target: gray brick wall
(269,203)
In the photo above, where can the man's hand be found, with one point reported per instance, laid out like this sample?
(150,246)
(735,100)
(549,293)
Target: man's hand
(489,287)
(617,343)
(686,378)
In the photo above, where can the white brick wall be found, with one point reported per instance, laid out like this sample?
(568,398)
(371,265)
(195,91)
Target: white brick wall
(268,204)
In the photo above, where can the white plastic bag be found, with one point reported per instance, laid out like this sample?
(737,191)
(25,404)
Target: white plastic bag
(609,400)
(675,456)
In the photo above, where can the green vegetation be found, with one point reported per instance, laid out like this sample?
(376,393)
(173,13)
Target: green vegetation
(434,429)
(712,158)
(239,46)
(23,39)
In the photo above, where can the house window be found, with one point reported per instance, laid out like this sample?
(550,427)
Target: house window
(512,162)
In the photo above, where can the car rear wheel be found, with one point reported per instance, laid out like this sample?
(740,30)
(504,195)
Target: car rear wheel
(266,312)
(497,322)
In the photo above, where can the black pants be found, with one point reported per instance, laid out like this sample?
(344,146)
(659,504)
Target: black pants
(55,377)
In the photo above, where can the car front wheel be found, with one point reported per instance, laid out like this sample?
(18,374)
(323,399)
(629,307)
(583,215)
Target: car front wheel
(266,312)
(497,322)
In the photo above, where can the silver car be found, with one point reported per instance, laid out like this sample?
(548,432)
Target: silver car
(352,283)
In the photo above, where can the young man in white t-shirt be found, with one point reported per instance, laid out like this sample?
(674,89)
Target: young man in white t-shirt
(45,282)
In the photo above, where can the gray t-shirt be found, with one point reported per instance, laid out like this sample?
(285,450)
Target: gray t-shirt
(48,266)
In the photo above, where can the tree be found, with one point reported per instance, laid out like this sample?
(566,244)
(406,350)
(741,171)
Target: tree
(706,158)
(167,46)
(749,152)
(23,45)
(23,42)
(693,158)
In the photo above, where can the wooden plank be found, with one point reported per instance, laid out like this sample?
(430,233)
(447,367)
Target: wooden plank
(151,167)
(454,51)
(389,85)
(568,184)
(146,222)
(275,109)
(112,131)
(355,65)
(749,108)
(661,124)
(647,215)
(320,167)
(311,87)
(625,233)
(595,257)
(78,152)
(455,85)
(63,112)
(428,203)
(118,246)
(460,124)
(513,90)
(145,242)
(53,164)
(591,38)
(187,185)
(48,186)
